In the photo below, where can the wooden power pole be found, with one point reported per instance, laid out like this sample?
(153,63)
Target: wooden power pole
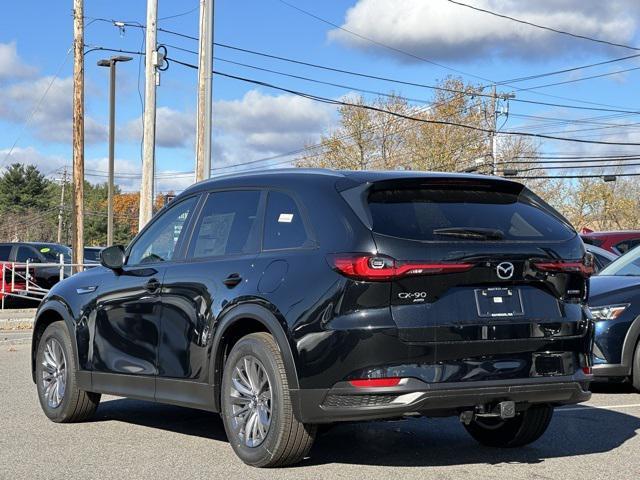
(149,124)
(61,210)
(77,240)
(205,87)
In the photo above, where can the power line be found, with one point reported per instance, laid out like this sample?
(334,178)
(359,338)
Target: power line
(576,167)
(543,27)
(580,79)
(330,101)
(577,176)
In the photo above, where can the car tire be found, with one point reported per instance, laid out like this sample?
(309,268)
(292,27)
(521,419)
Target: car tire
(259,421)
(635,371)
(525,428)
(56,379)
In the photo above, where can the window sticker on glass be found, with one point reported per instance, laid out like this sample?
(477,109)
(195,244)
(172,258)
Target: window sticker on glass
(45,250)
(285,218)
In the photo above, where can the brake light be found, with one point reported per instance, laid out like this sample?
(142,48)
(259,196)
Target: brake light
(375,382)
(381,268)
(582,267)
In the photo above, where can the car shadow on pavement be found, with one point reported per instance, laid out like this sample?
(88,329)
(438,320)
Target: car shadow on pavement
(186,421)
(444,441)
(413,442)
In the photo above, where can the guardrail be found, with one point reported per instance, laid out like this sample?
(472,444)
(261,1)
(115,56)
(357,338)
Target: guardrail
(18,279)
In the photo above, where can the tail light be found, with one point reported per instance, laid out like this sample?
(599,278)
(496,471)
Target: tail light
(381,268)
(583,267)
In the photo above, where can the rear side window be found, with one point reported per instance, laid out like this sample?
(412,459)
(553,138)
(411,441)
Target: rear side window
(625,246)
(5,251)
(226,224)
(450,214)
(283,224)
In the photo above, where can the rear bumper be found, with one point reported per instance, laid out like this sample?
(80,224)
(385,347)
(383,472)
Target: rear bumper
(343,403)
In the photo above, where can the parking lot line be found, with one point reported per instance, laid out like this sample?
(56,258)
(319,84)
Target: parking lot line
(597,407)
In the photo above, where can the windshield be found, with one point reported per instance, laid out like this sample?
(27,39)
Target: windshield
(52,253)
(626,265)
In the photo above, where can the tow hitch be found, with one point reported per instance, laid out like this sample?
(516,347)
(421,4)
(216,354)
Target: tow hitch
(503,410)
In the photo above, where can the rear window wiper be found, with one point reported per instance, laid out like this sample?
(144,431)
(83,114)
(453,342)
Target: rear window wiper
(471,233)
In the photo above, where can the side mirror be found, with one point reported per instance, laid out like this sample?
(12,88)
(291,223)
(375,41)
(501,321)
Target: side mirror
(112,257)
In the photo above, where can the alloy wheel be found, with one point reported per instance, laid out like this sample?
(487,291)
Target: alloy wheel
(54,373)
(250,401)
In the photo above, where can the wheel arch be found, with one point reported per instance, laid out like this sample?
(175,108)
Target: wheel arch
(243,320)
(48,313)
(631,342)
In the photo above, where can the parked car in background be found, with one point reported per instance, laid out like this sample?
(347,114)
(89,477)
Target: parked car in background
(287,299)
(615,305)
(601,257)
(618,242)
(92,254)
(12,286)
(36,253)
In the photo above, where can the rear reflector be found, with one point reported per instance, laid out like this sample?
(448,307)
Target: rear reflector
(583,268)
(375,382)
(380,267)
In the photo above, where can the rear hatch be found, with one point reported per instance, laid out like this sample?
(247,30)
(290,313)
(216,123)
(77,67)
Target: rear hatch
(482,270)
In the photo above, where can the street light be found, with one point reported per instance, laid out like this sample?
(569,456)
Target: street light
(111,63)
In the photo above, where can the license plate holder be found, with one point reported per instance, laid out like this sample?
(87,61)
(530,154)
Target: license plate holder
(499,302)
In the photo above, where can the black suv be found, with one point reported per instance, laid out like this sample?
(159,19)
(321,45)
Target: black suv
(291,298)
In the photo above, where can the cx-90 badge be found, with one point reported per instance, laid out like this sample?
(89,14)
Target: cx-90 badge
(505,270)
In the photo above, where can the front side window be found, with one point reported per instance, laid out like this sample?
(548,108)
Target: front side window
(226,225)
(51,253)
(159,242)
(5,252)
(283,224)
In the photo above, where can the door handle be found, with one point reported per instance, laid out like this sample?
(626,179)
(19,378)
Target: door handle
(152,286)
(232,280)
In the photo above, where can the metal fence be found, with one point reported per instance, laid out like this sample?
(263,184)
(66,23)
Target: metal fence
(19,279)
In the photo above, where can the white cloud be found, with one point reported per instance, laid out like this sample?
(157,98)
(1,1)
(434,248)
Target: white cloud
(438,29)
(174,129)
(265,123)
(10,64)
(51,120)
(47,164)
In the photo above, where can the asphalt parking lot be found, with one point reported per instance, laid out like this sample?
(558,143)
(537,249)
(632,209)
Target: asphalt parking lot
(132,439)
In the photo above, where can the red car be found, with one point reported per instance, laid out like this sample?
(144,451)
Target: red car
(618,242)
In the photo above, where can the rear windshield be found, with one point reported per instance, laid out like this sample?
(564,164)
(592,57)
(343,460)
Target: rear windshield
(446,214)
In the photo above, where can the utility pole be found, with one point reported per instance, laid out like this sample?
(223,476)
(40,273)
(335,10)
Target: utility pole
(493,128)
(205,86)
(61,210)
(149,124)
(111,63)
(77,240)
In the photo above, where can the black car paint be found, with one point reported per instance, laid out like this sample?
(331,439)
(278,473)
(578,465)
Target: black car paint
(616,340)
(329,328)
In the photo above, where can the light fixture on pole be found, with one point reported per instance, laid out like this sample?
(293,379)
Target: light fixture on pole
(111,63)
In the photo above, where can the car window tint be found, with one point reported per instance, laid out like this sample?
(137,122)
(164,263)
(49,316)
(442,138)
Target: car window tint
(226,224)
(443,214)
(26,253)
(283,227)
(5,251)
(159,242)
(626,245)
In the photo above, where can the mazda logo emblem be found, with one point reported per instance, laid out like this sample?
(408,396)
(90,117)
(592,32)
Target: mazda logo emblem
(505,270)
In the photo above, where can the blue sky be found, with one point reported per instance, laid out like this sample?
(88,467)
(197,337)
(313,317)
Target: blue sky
(253,122)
